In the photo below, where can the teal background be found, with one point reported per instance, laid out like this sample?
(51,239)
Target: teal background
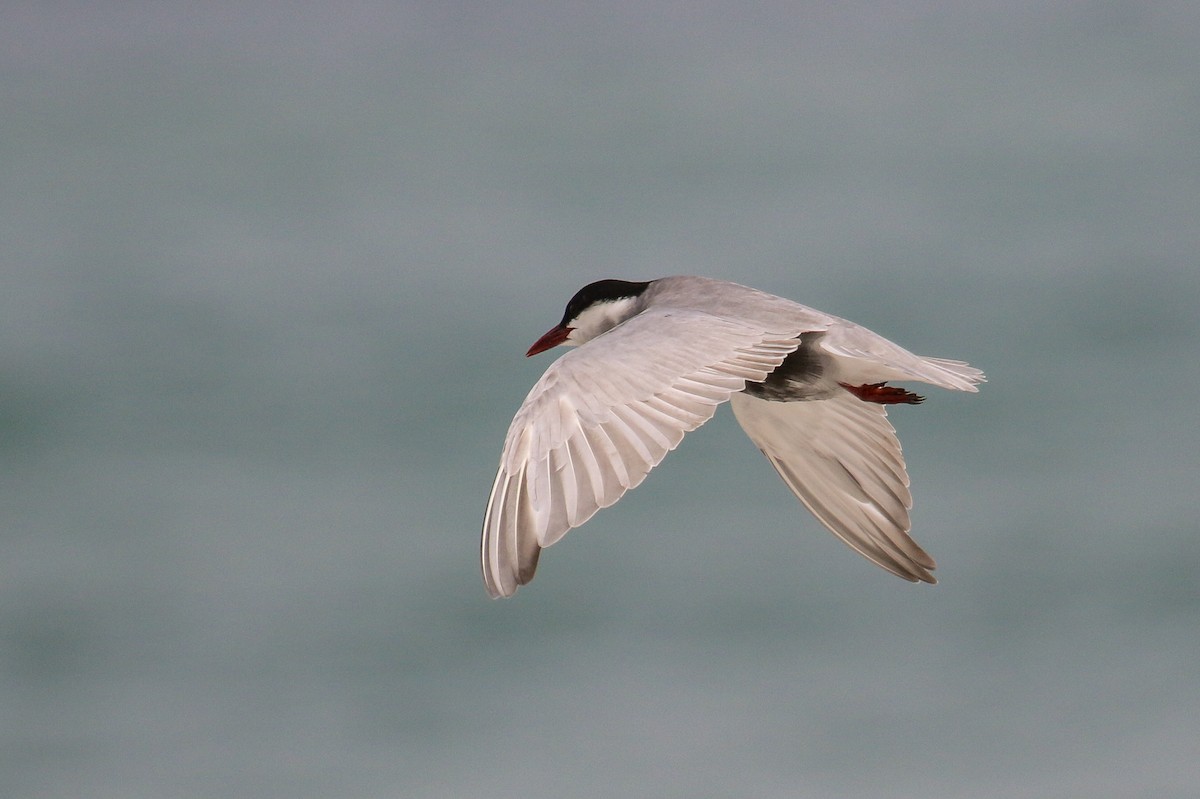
(268,273)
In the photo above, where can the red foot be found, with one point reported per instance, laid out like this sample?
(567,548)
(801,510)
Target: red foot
(883,394)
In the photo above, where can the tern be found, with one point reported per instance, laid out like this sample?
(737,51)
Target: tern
(654,359)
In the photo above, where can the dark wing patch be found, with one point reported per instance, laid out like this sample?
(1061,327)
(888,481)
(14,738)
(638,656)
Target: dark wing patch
(797,378)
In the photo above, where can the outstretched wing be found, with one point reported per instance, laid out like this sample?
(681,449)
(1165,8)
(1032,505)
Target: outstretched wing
(841,457)
(605,414)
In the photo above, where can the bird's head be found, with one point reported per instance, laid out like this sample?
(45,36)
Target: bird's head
(596,308)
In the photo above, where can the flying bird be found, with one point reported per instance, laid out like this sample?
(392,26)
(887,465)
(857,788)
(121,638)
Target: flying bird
(654,359)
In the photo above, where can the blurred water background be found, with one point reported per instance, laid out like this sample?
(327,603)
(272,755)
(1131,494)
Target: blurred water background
(268,272)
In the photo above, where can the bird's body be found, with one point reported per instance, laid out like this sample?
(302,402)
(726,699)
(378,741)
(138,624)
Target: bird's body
(654,361)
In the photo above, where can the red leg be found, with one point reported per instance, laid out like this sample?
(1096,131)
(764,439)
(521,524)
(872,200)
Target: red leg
(883,394)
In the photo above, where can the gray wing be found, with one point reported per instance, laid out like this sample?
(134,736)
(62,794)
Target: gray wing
(841,457)
(602,416)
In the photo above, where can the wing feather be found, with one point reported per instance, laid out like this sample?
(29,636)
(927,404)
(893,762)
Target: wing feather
(635,458)
(841,458)
(603,415)
(658,438)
